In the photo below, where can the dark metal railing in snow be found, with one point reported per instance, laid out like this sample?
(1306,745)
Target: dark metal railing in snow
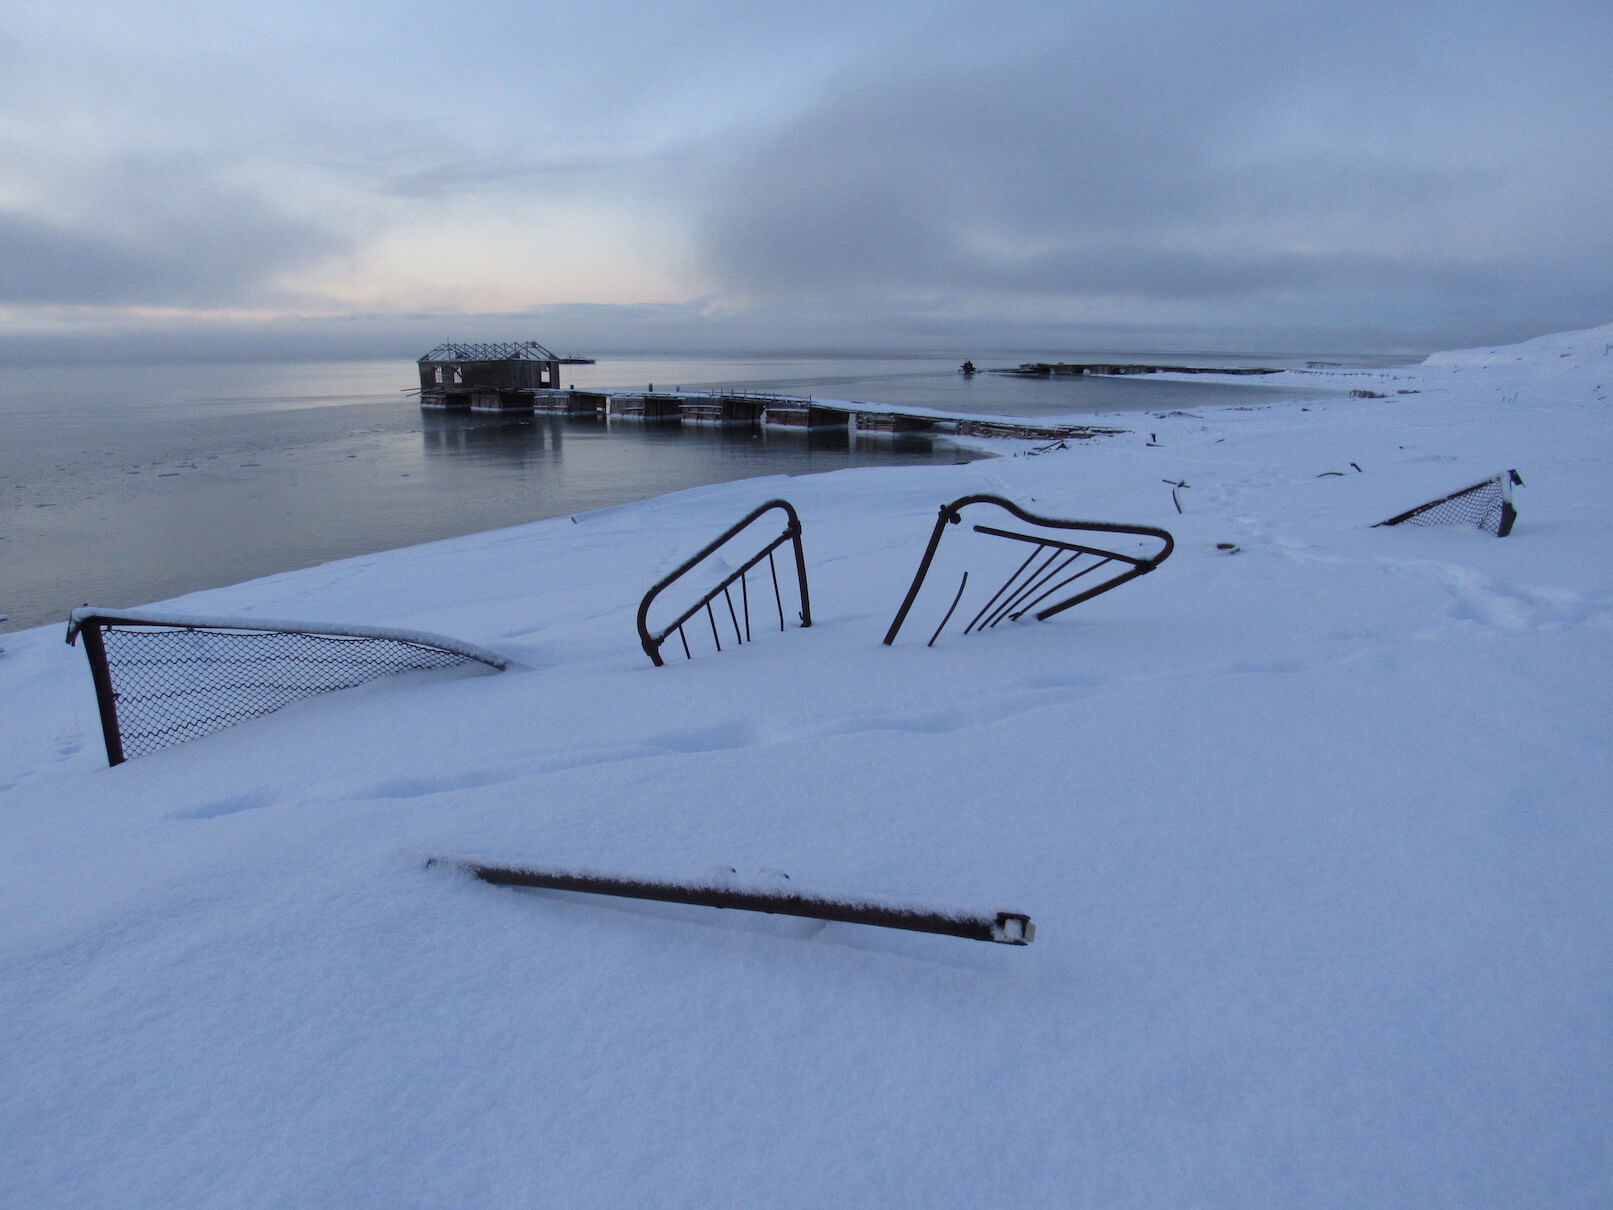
(739,618)
(1005,928)
(163,678)
(1054,565)
(1486,504)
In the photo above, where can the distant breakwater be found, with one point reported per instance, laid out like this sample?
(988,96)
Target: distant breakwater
(1060,369)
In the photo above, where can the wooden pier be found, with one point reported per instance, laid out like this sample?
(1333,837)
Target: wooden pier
(896,422)
(572,403)
(741,410)
(783,412)
(524,378)
(646,406)
(730,409)
(727,409)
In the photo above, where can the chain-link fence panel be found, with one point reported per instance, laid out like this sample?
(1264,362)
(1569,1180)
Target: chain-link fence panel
(162,680)
(1487,505)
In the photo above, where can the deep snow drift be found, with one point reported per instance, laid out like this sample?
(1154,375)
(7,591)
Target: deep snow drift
(1314,833)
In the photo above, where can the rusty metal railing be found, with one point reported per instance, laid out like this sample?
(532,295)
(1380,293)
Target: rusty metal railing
(1004,928)
(739,618)
(1054,565)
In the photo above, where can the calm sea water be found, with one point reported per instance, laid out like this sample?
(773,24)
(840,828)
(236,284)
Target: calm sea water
(122,485)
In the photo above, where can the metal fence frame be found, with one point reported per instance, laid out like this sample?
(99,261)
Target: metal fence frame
(652,642)
(92,623)
(1034,590)
(1505,517)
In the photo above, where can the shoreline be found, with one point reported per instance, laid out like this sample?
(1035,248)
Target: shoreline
(166,476)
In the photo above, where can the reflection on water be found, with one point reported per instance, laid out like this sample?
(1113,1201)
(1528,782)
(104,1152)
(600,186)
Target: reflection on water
(121,485)
(517,439)
(127,510)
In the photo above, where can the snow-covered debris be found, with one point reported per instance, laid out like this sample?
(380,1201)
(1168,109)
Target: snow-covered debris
(1312,823)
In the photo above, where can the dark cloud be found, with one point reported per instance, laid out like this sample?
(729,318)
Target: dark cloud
(856,175)
(1228,160)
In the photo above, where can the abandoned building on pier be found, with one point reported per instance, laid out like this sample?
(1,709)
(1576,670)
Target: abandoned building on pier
(490,377)
(525,377)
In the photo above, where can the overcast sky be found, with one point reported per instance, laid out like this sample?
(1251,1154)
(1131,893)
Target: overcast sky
(705,174)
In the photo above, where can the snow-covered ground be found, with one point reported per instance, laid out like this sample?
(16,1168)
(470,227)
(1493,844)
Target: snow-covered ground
(1315,834)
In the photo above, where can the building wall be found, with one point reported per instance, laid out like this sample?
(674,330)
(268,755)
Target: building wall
(455,376)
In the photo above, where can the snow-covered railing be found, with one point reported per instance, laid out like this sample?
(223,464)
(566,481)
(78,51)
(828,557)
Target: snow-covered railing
(739,618)
(1486,504)
(1005,928)
(1054,565)
(163,678)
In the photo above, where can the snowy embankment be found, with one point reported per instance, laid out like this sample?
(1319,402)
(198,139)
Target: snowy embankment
(1314,833)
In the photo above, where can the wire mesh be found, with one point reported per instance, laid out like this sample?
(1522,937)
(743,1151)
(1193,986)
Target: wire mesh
(170,684)
(1487,505)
